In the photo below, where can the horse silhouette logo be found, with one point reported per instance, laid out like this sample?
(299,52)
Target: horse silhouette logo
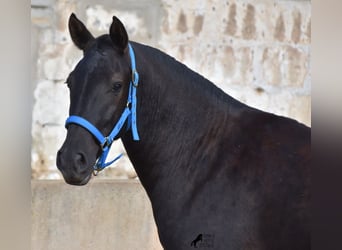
(195,241)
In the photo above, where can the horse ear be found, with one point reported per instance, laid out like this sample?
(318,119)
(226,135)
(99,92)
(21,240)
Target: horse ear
(80,35)
(118,34)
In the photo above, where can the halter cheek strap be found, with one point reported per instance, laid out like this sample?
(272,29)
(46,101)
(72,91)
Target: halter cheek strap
(129,114)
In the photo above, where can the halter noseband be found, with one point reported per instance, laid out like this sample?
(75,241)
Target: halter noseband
(130,113)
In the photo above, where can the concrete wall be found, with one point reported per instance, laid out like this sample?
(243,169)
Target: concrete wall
(257,51)
(102,215)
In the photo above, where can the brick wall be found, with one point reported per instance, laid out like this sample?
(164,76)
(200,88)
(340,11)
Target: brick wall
(257,51)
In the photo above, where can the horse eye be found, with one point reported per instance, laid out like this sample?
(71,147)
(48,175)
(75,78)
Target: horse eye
(116,86)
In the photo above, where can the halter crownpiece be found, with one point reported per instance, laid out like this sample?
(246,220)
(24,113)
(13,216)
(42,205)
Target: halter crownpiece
(129,114)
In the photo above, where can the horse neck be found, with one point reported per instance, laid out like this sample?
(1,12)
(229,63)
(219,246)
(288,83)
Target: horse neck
(178,112)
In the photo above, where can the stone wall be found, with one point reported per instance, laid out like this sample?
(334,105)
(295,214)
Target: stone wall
(256,51)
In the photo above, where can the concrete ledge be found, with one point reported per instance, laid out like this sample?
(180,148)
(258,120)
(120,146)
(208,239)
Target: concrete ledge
(105,214)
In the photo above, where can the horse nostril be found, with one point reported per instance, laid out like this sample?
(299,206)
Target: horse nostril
(80,160)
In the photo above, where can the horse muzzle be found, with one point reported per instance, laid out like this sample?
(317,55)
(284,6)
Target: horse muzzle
(74,167)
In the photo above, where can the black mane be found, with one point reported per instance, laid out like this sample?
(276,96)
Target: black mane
(183,76)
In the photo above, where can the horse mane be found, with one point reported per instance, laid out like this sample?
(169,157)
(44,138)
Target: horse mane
(182,74)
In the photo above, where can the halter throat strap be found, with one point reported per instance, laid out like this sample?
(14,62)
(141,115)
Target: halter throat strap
(129,114)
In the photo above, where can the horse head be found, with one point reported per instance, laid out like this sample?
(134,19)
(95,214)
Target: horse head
(99,88)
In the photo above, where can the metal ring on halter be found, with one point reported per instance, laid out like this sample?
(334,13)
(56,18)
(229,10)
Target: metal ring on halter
(97,171)
(105,144)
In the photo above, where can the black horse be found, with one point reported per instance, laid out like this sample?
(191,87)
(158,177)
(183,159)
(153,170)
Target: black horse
(207,162)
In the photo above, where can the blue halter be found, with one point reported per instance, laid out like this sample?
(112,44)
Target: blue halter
(130,113)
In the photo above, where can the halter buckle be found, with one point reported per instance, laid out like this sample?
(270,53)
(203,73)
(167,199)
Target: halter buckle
(135,78)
